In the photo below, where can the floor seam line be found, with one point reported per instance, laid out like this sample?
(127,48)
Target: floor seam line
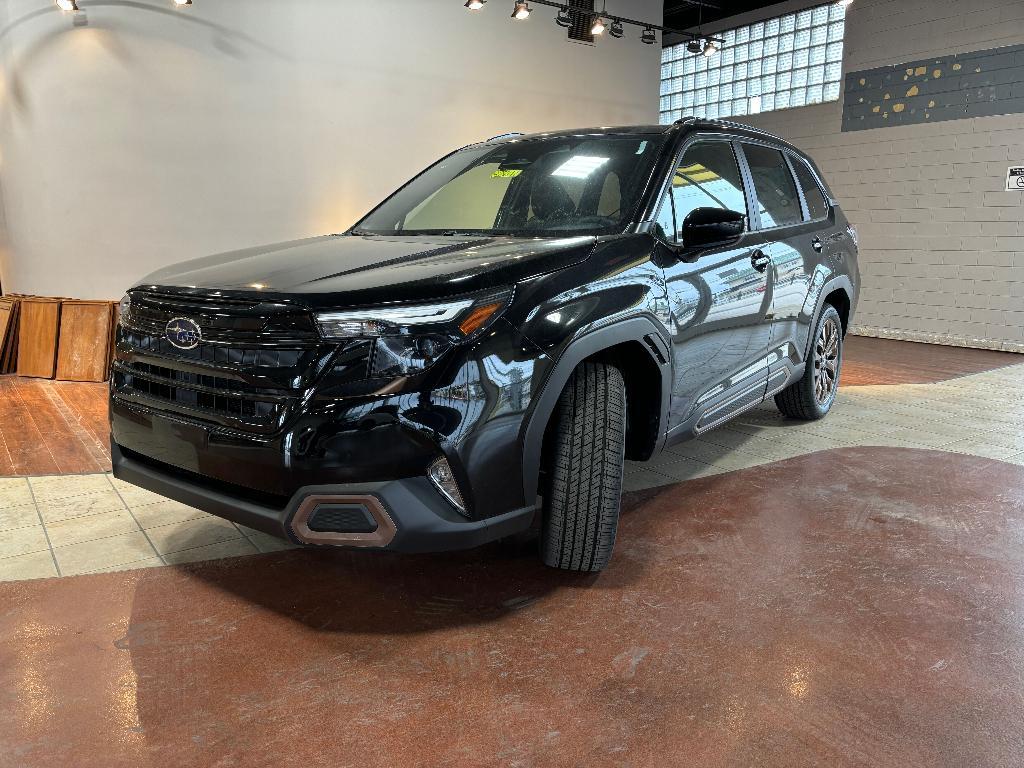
(46,533)
(146,535)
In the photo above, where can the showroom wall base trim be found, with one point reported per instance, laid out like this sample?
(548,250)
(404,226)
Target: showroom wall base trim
(937,338)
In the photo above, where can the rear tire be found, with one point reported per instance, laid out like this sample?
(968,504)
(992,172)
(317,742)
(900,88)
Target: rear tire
(811,397)
(584,470)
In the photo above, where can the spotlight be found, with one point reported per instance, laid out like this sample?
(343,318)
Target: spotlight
(67,5)
(522,11)
(616,30)
(648,36)
(564,18)
(182,2)
(598,26)
(695,46)
(710,48)
(475,5)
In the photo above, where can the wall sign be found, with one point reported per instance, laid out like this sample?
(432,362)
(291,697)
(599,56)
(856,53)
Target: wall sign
(1015,179)
(953,87)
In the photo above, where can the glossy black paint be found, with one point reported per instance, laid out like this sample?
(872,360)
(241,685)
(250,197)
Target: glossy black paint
(699,333)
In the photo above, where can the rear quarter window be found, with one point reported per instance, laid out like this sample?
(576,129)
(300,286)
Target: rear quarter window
(817,205)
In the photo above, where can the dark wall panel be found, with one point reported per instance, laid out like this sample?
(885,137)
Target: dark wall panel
(975,84)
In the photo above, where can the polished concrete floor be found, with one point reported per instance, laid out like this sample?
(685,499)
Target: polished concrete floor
(847,592)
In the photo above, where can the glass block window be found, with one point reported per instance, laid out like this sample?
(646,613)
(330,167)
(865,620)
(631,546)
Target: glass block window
(788,61)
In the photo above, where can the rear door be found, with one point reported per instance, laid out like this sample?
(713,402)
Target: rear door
(719,297)
(795,252)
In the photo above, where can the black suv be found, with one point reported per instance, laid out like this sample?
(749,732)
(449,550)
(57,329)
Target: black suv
(476,358)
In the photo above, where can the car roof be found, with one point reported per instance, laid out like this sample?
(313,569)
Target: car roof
(686,123)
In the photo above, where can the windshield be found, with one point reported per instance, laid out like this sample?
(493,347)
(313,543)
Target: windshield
(568,185)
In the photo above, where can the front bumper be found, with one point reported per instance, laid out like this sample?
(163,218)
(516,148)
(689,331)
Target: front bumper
(420,520)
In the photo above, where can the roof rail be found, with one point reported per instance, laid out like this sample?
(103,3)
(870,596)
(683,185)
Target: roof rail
(734,124)
(506,135)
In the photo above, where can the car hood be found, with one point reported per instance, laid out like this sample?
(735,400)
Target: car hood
(358,269)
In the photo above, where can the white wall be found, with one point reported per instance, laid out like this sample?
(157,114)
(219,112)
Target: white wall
(942,245)
(153,135)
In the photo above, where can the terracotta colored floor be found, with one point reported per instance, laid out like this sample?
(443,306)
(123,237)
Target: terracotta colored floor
(888,361)
(52,427)
(851,607)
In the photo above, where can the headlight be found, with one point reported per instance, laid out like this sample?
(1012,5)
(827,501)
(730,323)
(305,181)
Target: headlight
(124,308)
(409,338)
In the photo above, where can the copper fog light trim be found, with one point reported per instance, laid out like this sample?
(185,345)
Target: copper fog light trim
(381,537)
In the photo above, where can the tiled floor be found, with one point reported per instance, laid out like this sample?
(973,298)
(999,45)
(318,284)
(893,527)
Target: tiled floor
(73,524)
(64,525)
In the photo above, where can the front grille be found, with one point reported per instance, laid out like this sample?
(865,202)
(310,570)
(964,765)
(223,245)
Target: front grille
(236,407)
(247,357)
(252,364)
(221,319)
(187,378)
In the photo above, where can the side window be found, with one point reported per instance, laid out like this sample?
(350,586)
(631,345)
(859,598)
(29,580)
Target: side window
(777,199)
(817,205)
(707,177)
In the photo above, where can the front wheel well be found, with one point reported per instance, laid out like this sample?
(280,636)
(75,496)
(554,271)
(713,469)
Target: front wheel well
(643,395)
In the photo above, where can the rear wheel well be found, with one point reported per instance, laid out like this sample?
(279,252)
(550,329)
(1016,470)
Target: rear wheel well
(841,302)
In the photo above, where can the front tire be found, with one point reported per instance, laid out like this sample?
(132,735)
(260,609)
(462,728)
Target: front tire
(811,397)
(584,470)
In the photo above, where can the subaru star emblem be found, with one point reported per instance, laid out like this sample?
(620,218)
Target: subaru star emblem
(183,333)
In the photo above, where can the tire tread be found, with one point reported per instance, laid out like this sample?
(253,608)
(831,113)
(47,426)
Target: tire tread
(588,446)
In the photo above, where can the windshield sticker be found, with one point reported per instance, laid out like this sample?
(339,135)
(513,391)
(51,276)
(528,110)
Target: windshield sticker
(506,173)
(643,146)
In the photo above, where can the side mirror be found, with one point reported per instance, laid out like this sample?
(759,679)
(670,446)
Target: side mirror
(712,226)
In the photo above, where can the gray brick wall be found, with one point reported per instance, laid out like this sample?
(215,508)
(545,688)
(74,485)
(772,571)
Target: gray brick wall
(942,245)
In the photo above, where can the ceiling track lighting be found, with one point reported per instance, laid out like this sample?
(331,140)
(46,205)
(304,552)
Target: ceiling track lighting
(66,5)
(182,3)
(569,14)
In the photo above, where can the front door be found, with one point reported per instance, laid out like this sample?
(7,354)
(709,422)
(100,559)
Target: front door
(719,298)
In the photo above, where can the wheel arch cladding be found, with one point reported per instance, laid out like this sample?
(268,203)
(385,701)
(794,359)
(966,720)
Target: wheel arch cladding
(840,299)
(838,289)
(638,348)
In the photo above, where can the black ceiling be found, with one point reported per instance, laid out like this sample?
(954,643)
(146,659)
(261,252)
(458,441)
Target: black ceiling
(684,14)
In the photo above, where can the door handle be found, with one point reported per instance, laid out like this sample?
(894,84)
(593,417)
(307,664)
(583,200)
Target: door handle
(760,260)
(816,244)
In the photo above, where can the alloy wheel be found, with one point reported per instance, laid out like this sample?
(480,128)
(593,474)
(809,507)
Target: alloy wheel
(826,361)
